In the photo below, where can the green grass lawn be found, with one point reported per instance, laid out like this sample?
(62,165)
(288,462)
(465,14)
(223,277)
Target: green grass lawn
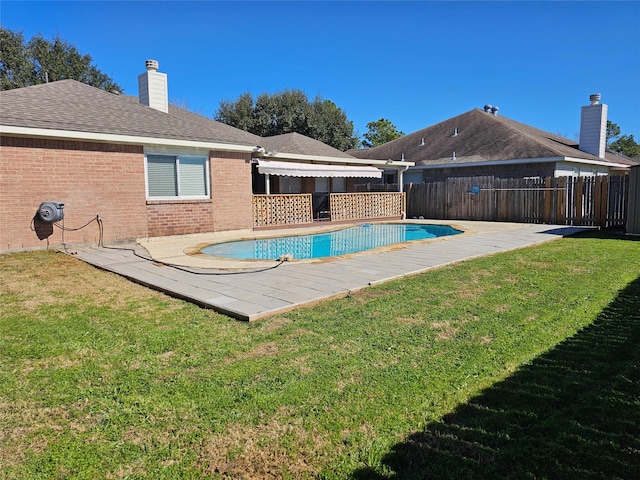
(524,364)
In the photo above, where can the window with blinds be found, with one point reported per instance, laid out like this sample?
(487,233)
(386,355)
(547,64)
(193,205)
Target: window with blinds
(177,176)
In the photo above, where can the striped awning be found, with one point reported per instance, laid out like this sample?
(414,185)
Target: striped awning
(292,169)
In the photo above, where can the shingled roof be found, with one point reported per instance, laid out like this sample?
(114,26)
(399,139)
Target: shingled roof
(301,144)
(478,136)
(69,105)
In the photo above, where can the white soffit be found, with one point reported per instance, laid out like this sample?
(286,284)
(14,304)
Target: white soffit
(292,169)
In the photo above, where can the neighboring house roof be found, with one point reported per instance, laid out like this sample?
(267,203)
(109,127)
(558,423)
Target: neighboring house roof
(69,105)
(301,144)
(482,137)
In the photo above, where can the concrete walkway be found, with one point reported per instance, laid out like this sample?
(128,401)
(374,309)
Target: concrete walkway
(250,291)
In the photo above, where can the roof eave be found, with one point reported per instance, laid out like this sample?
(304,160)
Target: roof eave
(603,163)
(170,142)
(336,160)
(519,161)
(121,139)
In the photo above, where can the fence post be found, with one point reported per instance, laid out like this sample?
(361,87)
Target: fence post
(578,200)
(560,199)
(605,200)
(547,200)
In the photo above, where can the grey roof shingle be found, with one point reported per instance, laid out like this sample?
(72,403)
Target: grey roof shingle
(297,143)
(481,137)
(73,106)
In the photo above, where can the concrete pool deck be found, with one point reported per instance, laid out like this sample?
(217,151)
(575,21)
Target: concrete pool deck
(250,290)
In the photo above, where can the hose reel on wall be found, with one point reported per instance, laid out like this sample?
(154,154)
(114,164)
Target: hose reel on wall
(47,216)
(51,211)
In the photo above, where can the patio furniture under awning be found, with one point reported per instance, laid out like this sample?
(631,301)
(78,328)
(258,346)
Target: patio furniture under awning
(292,169)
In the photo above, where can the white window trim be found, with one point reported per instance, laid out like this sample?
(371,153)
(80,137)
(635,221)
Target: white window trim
(177,158)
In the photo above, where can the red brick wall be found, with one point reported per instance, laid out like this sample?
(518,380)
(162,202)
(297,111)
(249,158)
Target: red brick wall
(179,217)
(105,179)
(89,178)
(231,192)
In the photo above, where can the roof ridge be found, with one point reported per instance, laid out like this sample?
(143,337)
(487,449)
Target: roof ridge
(526,134)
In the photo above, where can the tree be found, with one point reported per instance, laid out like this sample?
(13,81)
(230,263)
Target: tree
(286,112)
(613,130)
(627,145)
(330,125)
(624,144)
(15,69)
(40,61)
(379,132)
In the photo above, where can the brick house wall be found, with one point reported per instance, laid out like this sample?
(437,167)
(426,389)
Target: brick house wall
(103,179)
(179,217)
(231,191)
(89,178)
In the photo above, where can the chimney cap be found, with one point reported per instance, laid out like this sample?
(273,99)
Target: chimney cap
(594,98)
(151,64)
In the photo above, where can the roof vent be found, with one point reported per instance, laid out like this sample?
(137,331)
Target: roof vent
(151,65)
(453,157)
(594,98)
(487,108)
(494,110)
(455,132)
(421,142)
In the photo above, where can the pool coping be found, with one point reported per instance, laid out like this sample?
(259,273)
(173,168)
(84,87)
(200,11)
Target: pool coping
(184,250)
(268,288)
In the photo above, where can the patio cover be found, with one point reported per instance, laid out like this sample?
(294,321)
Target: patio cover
(291,169)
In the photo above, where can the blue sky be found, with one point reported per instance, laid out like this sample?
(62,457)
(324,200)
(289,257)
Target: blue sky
(415,63)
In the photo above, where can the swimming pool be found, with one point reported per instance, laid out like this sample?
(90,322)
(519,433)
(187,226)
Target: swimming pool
(329,244)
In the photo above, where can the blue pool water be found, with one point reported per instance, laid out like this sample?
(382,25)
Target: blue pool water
(329,244)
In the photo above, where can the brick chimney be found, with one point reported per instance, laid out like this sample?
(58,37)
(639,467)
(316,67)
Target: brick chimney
(593,127)
(152,87)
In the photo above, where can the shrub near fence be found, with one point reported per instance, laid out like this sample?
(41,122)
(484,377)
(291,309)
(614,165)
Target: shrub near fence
(588,201)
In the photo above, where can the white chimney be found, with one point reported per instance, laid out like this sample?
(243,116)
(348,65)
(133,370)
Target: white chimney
(593,127)
(152,87)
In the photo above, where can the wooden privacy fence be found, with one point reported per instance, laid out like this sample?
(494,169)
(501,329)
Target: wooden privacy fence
(633,214)
(297,209)
(589,201)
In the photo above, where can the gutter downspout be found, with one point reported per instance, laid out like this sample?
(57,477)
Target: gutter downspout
(401,170)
